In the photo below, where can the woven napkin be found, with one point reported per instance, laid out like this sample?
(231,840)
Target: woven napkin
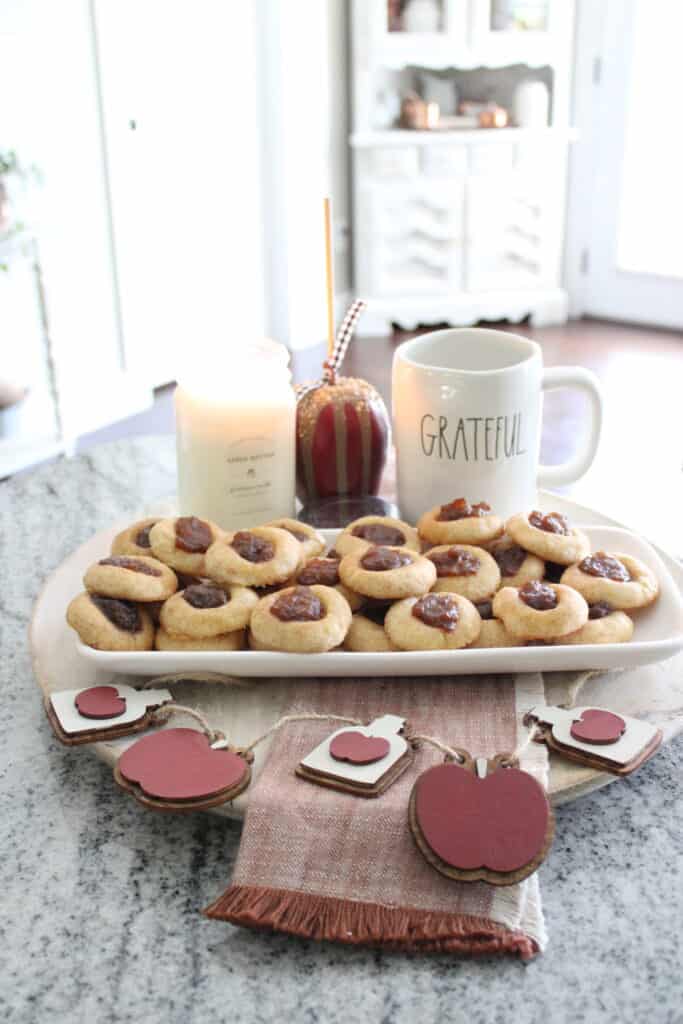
(322,864)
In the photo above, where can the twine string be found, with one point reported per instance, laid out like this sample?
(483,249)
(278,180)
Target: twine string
(309,716)
(575,688)
(523,745)
(168,710)
(432,741)
(165,712)
(163,682)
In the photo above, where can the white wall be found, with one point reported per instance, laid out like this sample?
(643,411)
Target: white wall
(339,123)
(303,89)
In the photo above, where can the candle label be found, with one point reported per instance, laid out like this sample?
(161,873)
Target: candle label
(250,482)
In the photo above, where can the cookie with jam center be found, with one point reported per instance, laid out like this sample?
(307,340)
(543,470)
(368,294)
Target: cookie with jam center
(376,531)
(134,540)
(258,557)
(540,611)
(182,542)
(623,581)
(606,625)
(367,633)
(325,571)
(312,543)
(464,569)
(548,535)
(300,620)
(233,641)
(433,622)
(492,633)
(517,565)
(111,624)
(460,522)
(131,578)
(387,573)
(207,610)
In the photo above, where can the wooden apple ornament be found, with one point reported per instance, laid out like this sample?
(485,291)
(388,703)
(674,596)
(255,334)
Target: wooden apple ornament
(342,429)
(596,737)
(481,821)
(179,770)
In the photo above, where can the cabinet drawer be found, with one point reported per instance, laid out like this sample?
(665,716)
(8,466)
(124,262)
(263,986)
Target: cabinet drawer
(508,235)
(491,158)
(500,268)
(431,210)
(395,162)
(444,160)
(416,268)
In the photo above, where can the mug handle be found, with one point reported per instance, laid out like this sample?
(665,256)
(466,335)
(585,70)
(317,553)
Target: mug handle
(573,377)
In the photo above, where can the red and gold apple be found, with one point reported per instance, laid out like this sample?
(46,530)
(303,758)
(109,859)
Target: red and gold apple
(342,439)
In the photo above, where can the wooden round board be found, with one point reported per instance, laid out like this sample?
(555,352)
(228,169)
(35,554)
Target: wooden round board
(243,709)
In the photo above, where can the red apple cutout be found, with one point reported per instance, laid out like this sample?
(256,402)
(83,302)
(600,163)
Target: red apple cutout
(598,726)
(176,767)
(100,702)
(495,829)
(356,748)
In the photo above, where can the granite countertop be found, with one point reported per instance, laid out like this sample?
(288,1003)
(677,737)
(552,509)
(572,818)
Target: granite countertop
(101,899)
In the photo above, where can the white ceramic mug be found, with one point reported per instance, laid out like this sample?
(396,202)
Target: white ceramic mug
(467,406)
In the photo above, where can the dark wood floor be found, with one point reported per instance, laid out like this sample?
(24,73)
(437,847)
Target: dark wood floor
(637,476)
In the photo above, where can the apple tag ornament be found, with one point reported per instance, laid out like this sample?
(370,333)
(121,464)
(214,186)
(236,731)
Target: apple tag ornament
(481,820)
(360,759)
(596,737)
(183,769)
(102,712)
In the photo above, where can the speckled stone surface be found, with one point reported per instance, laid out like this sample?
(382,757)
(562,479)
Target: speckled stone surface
(100,911)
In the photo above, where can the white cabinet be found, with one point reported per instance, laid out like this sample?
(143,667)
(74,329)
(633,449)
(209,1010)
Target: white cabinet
(508,237)
(462,225)
(418,231)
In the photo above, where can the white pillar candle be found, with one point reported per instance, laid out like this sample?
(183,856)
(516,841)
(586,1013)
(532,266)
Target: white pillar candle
(236,437)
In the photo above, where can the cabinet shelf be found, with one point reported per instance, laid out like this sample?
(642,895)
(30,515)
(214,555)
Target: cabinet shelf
(439,53)
(402,137)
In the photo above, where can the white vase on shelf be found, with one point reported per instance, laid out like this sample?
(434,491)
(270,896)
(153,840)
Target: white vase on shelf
(422,16)
(531,104)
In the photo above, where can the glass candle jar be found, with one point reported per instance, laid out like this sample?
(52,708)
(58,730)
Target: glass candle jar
(236,437)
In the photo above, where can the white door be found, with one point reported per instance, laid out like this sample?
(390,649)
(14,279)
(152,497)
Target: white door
(179,91)
(626,214)
(50,114)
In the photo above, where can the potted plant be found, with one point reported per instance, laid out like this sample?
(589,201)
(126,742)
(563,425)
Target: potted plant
(9,165)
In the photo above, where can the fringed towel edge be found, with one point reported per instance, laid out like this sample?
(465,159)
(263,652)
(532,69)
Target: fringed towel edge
(342,920)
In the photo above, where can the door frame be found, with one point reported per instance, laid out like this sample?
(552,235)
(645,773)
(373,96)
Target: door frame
(596,71)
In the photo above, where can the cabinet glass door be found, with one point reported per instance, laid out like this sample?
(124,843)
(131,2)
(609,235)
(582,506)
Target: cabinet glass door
(519,24)
(518,16)
(416,16)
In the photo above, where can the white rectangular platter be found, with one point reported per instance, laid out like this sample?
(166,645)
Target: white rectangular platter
(658,635)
